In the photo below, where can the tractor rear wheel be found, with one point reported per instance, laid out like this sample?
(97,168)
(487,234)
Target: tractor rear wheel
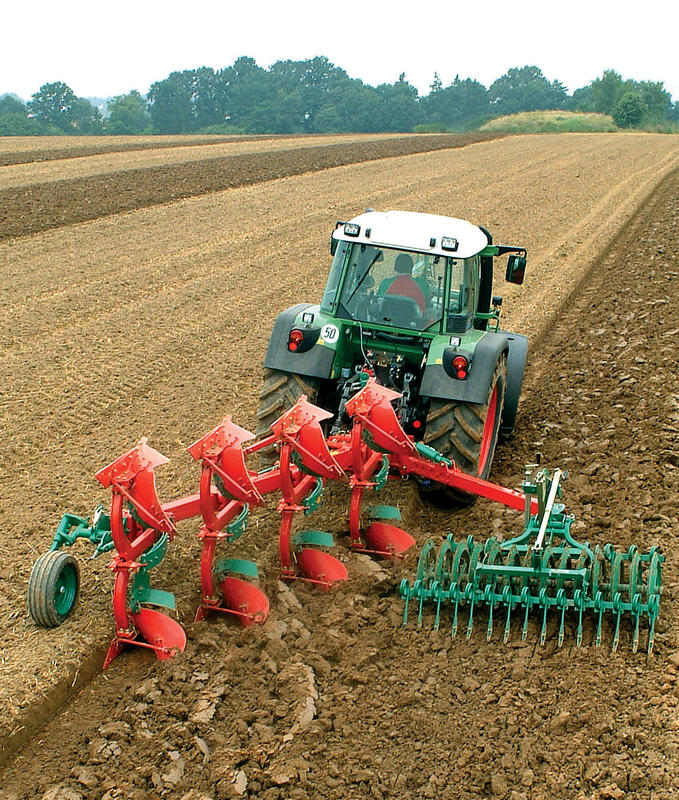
(53,588)
(467,433)
(280,391)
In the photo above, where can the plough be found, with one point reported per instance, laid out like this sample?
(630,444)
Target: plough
(139,529)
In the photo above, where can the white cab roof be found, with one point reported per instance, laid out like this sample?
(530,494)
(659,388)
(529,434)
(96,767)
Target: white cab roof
(410,230)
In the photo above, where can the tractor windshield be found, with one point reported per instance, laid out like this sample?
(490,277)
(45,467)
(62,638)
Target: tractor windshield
(391,287)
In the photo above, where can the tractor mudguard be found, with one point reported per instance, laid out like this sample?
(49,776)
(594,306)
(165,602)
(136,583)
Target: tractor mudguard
(516,364)
(437,383)
(316,362)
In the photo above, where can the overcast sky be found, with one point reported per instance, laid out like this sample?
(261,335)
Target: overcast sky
(108,49)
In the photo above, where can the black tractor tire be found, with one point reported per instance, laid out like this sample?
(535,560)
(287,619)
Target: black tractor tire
(280,391)
(465,433)
(53,588)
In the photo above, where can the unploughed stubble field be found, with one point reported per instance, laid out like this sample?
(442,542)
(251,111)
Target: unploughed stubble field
(155,322)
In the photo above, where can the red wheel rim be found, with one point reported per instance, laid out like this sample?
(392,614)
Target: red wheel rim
(488,431)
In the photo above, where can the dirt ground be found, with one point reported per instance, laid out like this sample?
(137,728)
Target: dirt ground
(81,166)
(332,698)
(47,202)
(27,149)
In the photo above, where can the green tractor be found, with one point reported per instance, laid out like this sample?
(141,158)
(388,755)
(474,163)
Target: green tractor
(409,300)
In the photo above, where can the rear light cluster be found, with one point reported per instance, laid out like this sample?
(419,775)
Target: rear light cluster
(295,338)
(456,363)
(461,367)
(302,339)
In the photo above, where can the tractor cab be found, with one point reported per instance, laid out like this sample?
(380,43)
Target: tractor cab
(399,288)
(429,283)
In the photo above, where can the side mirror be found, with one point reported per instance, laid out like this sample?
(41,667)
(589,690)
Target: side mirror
(333,246)
(516,269)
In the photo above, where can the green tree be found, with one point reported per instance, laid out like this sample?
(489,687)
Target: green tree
(83,118)
(52,104)
(353,107)
(170,104)
(398,108)
(313,81)
(629,110)
(10,105)
(525,89)
(582,99)
(56,104)
(128,115)
(606,91)
(14,124)
(459,106)
(245,87)
(657,100)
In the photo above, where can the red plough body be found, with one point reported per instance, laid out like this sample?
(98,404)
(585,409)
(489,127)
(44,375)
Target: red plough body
(140,523)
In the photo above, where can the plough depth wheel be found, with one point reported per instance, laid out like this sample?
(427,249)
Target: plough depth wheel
(53,588)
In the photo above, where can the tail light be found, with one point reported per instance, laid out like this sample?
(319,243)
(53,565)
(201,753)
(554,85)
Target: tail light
(302,339)
(295,338)
(461,367)
(456,363)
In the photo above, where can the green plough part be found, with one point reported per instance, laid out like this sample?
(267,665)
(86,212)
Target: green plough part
(239,566)
(380,477)
(432,454)
(318,538)
(390,513)
(72,527)
(140,591)
(313,500)
(237,528)
(544,569)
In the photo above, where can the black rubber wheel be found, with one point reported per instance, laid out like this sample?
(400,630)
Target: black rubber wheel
(280,391)
(467,433)
(53,588)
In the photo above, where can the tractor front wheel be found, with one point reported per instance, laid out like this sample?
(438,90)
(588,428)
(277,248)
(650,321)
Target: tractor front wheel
(53,588)
(467,433)
(280,391)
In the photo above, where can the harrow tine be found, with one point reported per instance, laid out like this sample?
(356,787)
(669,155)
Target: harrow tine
(438,613)
(453,632)
(470,623)
(617,604)
(561,596)
(597,641)
(635,636)
(544,602)
(420,607)
(526,601)
(508,599)
(489,630)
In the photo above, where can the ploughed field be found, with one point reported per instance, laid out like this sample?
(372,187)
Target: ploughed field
(154,321)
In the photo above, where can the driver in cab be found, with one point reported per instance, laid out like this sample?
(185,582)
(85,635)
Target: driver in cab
(402,283)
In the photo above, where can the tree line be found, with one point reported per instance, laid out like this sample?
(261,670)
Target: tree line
(315,96)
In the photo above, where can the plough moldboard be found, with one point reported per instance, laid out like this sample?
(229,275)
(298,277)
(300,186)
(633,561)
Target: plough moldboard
(544,568)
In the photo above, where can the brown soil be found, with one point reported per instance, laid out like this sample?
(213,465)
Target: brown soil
(399,712)
(28,209)
(98,145)
(24,175)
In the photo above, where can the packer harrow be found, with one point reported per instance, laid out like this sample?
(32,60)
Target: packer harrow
(140,529)
(544,568)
